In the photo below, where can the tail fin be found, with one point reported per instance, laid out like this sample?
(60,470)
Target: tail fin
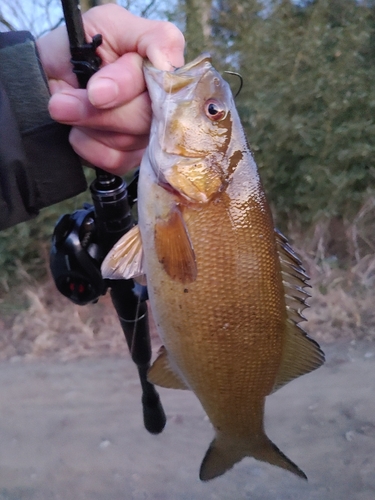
(223,454)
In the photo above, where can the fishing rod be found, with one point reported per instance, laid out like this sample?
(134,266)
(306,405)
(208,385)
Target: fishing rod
(81,240)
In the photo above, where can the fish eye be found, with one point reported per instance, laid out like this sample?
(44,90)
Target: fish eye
(214,110)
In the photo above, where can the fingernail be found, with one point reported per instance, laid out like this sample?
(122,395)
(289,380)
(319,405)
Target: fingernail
(102,92)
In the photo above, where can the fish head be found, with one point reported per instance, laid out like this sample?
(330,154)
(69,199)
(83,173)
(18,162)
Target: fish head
(192,133)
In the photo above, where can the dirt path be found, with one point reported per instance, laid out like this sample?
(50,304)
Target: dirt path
(73,431)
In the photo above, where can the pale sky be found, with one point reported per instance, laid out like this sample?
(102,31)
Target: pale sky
(39,16)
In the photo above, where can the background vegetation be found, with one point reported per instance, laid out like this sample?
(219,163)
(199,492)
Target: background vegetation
(307,104)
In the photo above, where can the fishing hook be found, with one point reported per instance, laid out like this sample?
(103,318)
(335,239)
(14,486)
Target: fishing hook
(241,81)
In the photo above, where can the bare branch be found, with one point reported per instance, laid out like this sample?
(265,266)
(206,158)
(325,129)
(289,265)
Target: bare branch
(59,23)
(6,23)
(147,8)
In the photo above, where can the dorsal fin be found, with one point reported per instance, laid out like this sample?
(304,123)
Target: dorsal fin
(295,279)
(301,354)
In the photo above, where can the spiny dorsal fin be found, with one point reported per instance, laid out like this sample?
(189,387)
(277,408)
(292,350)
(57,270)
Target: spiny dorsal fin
(161,373)
(301,354)
(125,259)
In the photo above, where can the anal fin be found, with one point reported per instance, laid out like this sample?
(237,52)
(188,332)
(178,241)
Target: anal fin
(162,374)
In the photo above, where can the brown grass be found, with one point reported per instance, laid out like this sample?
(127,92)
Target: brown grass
(53,326)
(342,303)
(342,307)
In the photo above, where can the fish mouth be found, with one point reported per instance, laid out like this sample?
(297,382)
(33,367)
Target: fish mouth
(173,81)
(203,60)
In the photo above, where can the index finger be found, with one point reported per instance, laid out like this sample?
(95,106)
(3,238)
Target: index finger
(160,41)
(122,32)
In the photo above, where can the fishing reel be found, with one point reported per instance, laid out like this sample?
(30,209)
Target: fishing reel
(75,257)
(82,239)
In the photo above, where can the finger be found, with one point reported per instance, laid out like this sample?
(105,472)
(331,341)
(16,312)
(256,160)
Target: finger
(54,54)
(56,86)
(163,45)
(162,42)
(102,156)
(117,83)
(121,142)
(73,108)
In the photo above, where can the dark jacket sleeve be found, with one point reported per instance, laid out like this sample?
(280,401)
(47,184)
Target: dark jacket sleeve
(37,165)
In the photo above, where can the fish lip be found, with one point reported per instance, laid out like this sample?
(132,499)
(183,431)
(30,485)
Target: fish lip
(202,60)
(180,78)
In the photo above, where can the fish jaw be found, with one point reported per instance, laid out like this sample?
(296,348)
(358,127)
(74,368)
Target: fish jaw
(164,85)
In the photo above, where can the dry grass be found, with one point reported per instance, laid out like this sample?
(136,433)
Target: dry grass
(342,303)
(342,306)
(51,326)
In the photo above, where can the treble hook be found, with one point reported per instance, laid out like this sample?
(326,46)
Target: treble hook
(241,81)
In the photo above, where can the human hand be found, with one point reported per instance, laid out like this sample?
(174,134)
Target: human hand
(111,118)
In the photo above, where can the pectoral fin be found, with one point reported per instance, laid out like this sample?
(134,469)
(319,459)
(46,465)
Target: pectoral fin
(301,354)
(174,249)
(125,259)
(162,374)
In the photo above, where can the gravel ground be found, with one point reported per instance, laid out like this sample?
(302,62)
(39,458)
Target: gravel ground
(74,430)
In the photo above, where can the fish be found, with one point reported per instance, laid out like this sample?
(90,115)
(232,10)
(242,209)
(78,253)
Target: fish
(226,289)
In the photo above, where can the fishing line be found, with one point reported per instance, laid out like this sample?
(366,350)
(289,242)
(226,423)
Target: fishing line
(168,102)
(241,81)
(136,320)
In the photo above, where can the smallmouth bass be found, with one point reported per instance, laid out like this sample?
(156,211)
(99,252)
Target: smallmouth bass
(226,290)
